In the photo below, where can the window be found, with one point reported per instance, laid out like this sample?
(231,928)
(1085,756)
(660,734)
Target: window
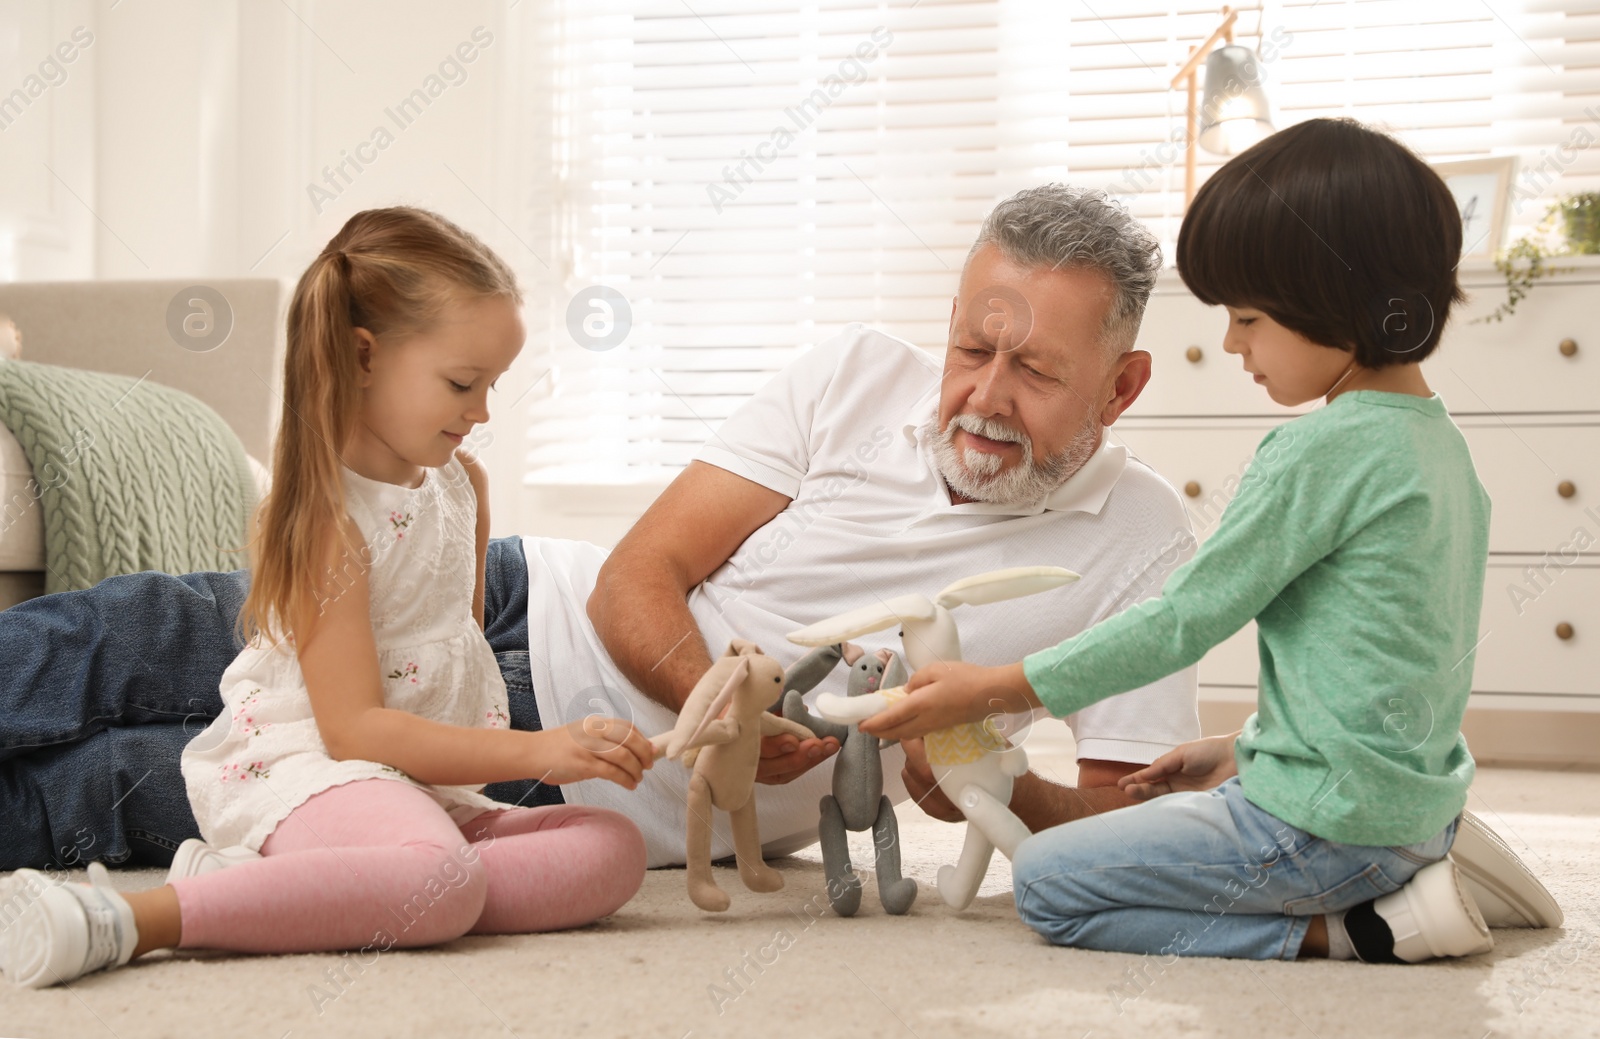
(719,187)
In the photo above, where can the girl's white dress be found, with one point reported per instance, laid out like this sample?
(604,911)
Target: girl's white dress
(263,756)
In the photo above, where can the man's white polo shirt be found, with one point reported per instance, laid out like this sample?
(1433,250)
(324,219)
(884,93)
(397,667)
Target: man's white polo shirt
(838,432)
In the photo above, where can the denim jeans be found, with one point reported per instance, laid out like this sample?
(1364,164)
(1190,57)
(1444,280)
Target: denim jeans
(101,689)
(1199,874)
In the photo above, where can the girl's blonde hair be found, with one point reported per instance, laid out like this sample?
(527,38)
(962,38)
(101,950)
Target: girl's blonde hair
(391,272)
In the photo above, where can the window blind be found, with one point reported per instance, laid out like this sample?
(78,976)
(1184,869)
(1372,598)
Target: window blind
(721,185)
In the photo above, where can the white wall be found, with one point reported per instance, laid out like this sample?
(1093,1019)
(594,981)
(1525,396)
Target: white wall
(47,141)
(183,138)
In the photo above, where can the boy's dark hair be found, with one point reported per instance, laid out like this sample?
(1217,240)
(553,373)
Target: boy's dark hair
(1335,231)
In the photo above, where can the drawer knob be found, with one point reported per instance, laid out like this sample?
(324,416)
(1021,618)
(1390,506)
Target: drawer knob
(1563,630)
(1568,347)
(1566,489)
(1194,353)
(1192,489)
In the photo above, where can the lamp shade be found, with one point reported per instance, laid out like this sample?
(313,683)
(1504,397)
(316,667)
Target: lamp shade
(1234,113)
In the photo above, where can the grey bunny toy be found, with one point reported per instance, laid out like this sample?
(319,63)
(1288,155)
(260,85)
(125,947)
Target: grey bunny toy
(858,801)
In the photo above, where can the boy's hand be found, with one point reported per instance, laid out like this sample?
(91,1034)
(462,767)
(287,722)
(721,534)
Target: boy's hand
(595,748)
(1197,765)
(945,695)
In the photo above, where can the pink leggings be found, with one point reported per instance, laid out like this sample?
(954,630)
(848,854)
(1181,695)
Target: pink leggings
(377,863)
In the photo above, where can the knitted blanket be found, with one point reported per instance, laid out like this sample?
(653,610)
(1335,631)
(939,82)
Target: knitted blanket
(131,475)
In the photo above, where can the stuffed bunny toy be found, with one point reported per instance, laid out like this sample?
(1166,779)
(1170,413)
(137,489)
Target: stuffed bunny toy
(973,764)
(858,801)
(718,735)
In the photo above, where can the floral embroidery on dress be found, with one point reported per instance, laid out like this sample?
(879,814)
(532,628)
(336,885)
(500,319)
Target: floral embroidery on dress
(240,772)
(496,717)
(391,768)
(246,722)
(399,521)
(409,671)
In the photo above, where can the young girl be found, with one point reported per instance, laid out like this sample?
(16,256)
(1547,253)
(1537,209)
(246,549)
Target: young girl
(366,712)
(1357,542)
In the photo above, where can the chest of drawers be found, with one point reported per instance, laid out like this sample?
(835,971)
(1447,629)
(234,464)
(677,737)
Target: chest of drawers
(1526,395)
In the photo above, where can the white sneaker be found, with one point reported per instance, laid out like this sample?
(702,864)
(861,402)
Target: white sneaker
(194,857)
(15,895)
(64,929)
(1432,915)
(1504,888)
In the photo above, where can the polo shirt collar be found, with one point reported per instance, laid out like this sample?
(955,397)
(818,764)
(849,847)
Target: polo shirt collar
(1084,491)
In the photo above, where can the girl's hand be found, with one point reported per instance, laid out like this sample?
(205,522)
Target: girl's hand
(1197,765)
(595,748)
(945,695)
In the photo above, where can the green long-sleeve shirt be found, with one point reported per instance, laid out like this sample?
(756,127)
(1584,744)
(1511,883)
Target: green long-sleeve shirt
(1357,542)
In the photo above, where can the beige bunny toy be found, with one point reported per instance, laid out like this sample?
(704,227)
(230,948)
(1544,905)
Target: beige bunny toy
(719,735)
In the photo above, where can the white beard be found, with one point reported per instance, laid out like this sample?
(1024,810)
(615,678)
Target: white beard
(977,474)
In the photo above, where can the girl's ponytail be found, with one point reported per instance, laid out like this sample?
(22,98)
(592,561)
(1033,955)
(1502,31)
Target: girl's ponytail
(388,271)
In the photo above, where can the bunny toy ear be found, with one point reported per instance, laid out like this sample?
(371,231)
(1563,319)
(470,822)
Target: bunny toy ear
(717,704)
(998,585)
(894,671)
(864,621)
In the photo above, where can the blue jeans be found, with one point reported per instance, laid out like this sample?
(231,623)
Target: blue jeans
(1199,874)
(101,689)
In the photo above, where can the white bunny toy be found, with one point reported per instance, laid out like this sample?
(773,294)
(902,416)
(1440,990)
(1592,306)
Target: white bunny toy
(972,763)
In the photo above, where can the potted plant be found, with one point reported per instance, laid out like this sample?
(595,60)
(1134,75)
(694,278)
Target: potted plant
(1580,218)
(1525,261)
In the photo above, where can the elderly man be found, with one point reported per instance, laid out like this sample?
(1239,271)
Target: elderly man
(865,470)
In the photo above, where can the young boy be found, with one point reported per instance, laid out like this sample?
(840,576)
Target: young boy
(1357,542)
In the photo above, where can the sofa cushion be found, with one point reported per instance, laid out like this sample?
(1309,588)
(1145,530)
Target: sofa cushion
(22,518)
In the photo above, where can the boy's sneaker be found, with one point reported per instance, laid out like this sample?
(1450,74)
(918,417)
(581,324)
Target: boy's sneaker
(1503,887)
(194,857)
(64,930)
(1431,916)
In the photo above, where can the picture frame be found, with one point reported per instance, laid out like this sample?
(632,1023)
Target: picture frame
(1482,189)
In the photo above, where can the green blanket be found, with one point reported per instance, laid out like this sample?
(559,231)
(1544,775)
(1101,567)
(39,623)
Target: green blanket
(131,475)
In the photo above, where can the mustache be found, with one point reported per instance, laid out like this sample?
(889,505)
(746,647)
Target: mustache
(989,429)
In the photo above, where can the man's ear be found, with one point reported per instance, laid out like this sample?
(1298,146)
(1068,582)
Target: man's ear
(1129,375)
(366,344)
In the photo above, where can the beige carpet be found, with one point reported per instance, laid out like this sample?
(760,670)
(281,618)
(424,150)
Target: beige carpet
(662,968)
